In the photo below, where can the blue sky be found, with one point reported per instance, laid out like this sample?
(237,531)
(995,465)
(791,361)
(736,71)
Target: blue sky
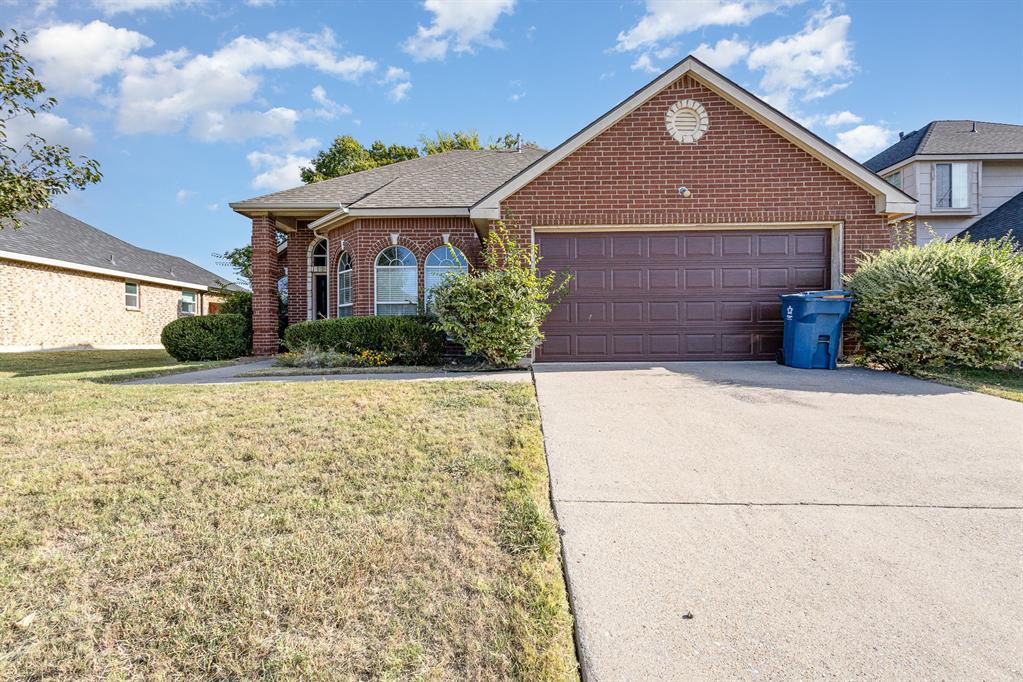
(191,104)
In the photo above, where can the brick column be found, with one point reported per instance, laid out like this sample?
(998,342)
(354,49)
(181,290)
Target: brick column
(264,285)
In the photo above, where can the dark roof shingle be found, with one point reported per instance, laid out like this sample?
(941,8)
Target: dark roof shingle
(1007,219)
(952,138)
(53,234)
(455,179)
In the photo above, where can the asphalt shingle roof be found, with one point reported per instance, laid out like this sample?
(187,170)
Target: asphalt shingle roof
(952,137)
(455,179)
(1007,219)
(53,234)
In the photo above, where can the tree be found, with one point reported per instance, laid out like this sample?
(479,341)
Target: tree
(446,142)
(347,155)
(34,171)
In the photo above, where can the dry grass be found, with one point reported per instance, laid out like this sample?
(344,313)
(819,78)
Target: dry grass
(1004,383)
(371,530)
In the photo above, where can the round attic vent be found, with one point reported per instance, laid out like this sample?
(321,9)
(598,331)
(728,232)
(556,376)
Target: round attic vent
(686,121)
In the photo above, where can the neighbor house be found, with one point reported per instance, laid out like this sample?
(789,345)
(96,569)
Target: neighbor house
(682,213)
(66,284)
(959,171)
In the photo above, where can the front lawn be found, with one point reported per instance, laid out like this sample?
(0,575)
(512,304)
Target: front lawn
(363,530)
(1004,383)
(105,365)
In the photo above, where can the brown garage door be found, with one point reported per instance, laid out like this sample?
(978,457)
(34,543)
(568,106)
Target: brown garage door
(677,295)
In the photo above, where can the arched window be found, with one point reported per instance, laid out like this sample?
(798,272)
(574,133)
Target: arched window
(317,281)
(344,285)
(397,286)
(319,254)
(441,261)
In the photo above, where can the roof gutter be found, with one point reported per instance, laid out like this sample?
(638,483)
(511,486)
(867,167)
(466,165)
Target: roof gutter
(68,265)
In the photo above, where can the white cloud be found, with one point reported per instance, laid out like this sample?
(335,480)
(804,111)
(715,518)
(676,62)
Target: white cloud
(212,207)
(162,94)
(820,93)
(110,7)
(278,171)
(260,3)
(644,63)
(457,25)
(211,126)
(52,128)
(279,165)
(72,58)
(400,81)
(517,91)
(842,118)
(864,141)
(807,60)
(399,91)
(329,109)
(723,54)
(184,195)
(666,19)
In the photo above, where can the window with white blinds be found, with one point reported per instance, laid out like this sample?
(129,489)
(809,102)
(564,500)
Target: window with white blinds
(344,285)
(951,185)
(442,261)
(397,291)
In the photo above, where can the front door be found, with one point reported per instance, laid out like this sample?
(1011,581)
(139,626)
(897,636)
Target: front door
(320,300)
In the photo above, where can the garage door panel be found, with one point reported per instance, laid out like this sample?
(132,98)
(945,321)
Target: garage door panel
(627,280)
(677,296)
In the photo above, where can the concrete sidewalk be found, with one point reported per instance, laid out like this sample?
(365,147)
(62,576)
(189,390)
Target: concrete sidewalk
(230,375)
(751,521)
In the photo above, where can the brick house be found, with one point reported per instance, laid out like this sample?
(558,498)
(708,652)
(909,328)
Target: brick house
(65,284)
(682,213)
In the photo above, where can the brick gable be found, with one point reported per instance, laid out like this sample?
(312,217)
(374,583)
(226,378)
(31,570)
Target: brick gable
(740,171)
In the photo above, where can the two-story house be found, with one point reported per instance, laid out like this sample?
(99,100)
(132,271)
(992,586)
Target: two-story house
(959,172)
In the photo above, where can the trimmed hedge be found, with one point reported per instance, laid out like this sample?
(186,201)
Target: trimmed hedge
(206,337)
(946,303)
(411,340)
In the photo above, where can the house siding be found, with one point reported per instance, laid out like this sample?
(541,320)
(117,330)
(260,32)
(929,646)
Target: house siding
(46,307)
(740,171)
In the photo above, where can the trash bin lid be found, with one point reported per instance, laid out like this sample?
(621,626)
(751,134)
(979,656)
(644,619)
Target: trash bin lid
(824,294)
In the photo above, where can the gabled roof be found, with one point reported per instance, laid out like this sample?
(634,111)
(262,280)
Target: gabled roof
(952,138)
(450,180)
(51,237)
(1007,219)
(888,199)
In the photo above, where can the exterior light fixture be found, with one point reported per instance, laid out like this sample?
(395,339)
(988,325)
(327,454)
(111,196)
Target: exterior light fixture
(684,192)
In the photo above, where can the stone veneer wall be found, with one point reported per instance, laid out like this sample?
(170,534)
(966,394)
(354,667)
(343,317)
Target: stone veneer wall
(43,307)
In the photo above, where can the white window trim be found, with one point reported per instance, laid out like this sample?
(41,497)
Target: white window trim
(952,208)
(427,269)
(891,176)
(310,278)
(195,302)
(376,268)
(138,296)
(351,280)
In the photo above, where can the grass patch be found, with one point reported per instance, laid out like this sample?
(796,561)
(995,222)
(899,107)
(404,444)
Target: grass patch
(103,365)
(1004,383)
(367,530)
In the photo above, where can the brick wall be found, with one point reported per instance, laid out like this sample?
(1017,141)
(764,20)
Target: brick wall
(364,239)
(740,171)
(49,307)
(265,273)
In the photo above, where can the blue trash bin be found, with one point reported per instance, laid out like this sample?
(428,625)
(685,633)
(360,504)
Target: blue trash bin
(813,327)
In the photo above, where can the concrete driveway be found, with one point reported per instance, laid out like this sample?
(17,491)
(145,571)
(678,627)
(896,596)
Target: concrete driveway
(751,521)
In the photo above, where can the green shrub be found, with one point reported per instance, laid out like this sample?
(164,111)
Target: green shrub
(410,340)
(946,303)
(496,312)
(205,337)
(239,303)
